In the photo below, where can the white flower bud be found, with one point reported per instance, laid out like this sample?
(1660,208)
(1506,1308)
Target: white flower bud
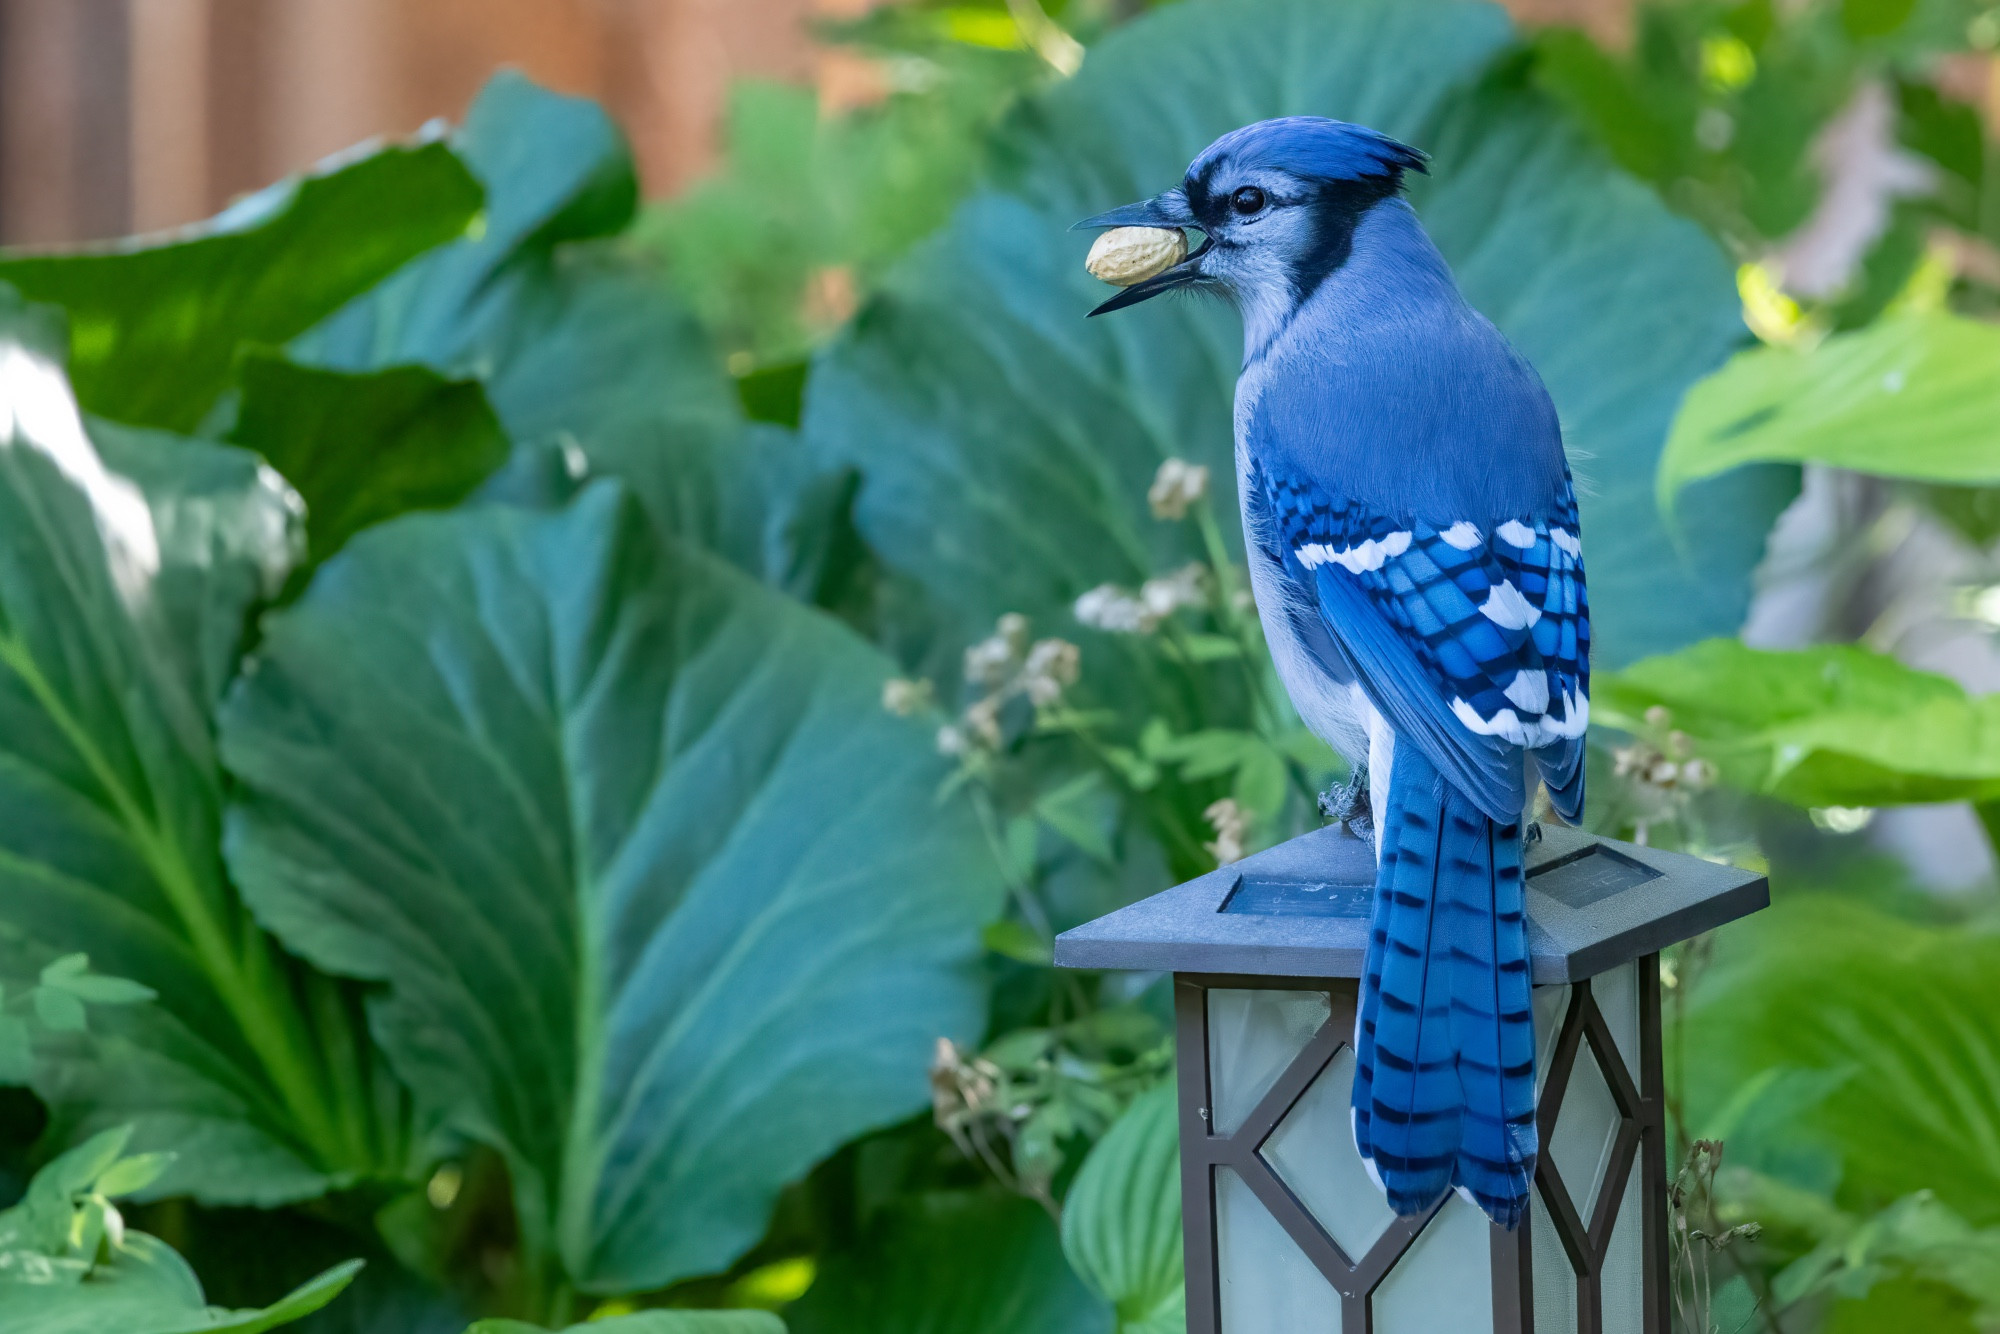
(1177,485)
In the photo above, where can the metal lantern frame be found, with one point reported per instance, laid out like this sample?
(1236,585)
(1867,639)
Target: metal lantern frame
(1294,919)
(1641,1144)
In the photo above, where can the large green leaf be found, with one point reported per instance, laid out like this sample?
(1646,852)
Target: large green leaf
(580,344)
(68,1265)
(128,562)
(365,447)
(1914,395)
(1905,1020)
(663,903)
(1834,725)
(1122,1220)
(952,1264)
(1005,443)
(156,322)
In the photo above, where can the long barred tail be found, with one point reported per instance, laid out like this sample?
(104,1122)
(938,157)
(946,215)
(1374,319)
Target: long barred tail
(1444,1078)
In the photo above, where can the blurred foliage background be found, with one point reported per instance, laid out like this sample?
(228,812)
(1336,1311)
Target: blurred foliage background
(545,736)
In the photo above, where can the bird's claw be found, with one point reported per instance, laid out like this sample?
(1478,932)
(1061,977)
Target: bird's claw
(1348,803)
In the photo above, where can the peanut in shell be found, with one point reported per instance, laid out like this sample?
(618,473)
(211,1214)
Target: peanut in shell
(1126,255)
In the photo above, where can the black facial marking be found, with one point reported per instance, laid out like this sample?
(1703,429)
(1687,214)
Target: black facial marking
(1336,210)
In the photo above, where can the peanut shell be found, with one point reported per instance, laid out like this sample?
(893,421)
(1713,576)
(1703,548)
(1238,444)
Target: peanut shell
(1126,255)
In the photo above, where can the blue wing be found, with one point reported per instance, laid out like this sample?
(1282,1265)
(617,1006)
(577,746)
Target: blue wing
(1473,640)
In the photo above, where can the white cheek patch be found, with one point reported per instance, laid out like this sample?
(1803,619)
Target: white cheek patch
(1506,608)
(1464,535)
(1369,555)
(1516,533)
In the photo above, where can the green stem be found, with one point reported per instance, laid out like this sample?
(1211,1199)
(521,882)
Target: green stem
(1036,916)
(261,1011)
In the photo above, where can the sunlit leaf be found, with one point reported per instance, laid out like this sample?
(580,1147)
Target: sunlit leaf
(1914,396)
(1834,725)
(156,322)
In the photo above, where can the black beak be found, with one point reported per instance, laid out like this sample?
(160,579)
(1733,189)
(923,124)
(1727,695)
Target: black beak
(1167,209)
(1184,274)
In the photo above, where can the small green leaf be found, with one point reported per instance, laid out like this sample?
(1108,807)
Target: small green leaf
(17,1053)
(1014,940)
(69,965)
(59,1010)
(128,1176)
(1262,781)
(651,1322)
(71,974)
(1084,811)
(1211,648)
(361,448)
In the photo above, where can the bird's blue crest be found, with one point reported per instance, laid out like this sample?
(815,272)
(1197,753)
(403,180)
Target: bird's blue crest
(1312,148)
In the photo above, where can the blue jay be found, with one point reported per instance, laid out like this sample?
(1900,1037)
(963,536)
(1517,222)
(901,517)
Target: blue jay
(1413,545)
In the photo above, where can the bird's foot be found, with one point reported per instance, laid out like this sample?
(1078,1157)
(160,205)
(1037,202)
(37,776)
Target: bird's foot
(1348,803)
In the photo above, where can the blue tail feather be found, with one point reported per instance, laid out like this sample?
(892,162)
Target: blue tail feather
(1444,1085)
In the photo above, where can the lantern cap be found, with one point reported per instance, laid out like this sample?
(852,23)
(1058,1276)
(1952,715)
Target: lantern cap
(1301,909)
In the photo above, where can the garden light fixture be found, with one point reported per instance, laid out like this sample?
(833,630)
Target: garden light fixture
(1283,1228)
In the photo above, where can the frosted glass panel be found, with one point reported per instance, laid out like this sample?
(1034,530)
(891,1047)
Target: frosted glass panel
(1265,1282)
(1617,997)
(1444,1282)
(1555,1280)
(1586,1128)
(1313,1150)
(1625,1266)
(1551,1004)
(1252,1037)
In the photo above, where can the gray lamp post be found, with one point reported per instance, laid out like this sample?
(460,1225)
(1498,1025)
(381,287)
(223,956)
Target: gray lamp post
(1284,1231)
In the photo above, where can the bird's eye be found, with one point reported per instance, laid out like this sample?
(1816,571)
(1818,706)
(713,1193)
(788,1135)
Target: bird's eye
(1248,200)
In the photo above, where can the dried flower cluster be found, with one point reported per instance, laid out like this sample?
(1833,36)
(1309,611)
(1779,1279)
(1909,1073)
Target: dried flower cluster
(1005,666)
(1672,767)
(1231,824)
(1176,486)
(1109,607)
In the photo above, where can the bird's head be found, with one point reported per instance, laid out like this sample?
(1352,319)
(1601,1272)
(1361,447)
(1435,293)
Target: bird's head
(1277,201)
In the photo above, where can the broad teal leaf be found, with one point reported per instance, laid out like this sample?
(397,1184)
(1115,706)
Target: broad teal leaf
(1914,395)
(661,902)
(952,1264)
(1834,725)
(361,448)
(1005,443)
(129,561)
(1122,1219)
(155,322)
